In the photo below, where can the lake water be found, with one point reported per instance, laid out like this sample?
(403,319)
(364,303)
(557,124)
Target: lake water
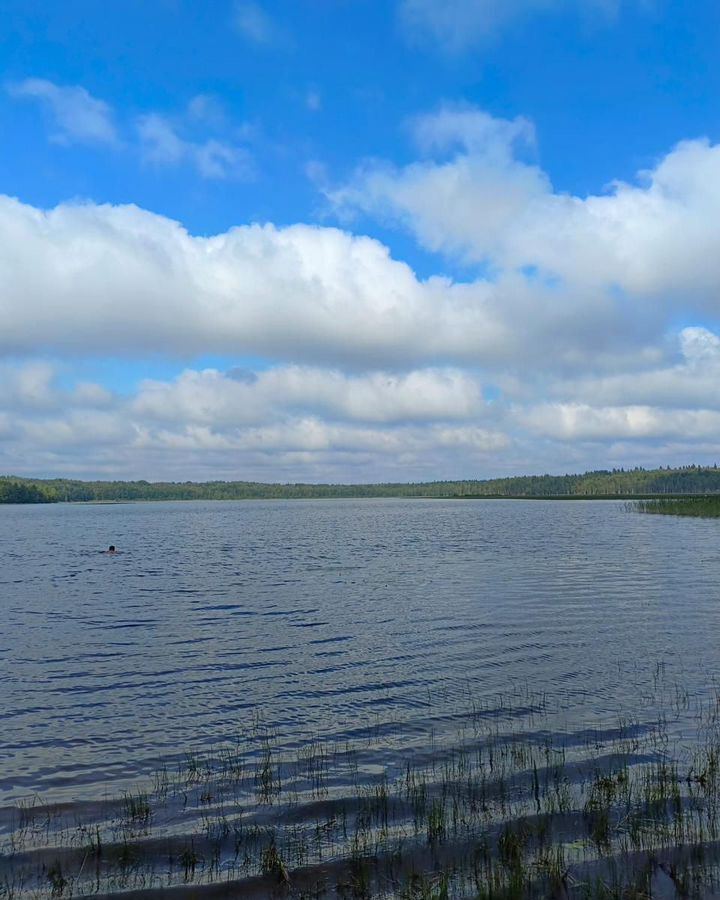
(333,620)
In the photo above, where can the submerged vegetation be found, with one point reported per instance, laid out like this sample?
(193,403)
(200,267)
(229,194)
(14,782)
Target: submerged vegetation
(701,507)
(603,483)
(512,807)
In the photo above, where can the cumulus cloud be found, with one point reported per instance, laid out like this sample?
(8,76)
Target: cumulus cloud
(310,423)
(292,417)
(566,352)
(87,279)
(77,116)
(573,421)
(378,397)
(102,279)
(691,382)
(487,204)
(464,202)
(455,25)
(32,387)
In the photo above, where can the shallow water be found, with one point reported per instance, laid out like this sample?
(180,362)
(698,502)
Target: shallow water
(333,619)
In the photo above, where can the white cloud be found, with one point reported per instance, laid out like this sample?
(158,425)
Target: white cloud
(699,345)
(32,387)
(211,397)
(290,416)
(305,423)
(573,421)
(690,383)
(80,118)
(77,115)
(460,205)
(119,280)
(29,385)
(467,128)
(654,239)
(76,431)
(455,25)
(369,372)
(162,144)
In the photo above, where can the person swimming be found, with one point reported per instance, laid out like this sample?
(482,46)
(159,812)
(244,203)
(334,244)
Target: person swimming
(111,549)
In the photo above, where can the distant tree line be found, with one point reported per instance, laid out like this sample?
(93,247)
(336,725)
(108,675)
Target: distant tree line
(602,483)
(16,491)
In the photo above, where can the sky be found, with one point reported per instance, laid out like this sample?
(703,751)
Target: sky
(358,240)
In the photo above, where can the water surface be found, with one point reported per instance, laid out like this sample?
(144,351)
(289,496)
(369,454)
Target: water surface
(330,619)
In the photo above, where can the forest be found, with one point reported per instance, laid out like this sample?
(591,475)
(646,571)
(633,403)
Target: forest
(637,482)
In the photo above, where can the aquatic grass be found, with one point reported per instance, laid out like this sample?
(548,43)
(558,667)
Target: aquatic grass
(507,809)
(271,864)
(136,809)
(707,507)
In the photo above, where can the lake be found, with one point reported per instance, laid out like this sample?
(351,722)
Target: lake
(392,630)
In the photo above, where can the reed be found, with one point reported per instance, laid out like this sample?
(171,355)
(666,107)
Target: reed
(699,507)
(507,809)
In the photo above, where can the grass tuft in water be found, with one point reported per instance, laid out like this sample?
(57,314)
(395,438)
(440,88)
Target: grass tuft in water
(511,806)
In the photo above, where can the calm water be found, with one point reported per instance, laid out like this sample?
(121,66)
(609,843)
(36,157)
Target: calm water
(327,615)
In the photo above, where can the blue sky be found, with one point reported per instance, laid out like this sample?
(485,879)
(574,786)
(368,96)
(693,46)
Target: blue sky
(436,239)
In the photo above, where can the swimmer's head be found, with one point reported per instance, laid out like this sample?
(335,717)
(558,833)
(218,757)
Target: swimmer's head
(111,548)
